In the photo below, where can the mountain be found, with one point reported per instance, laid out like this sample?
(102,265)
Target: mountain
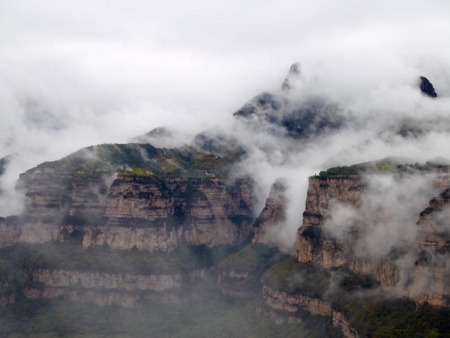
(136,195)
(141,240)
(427,87)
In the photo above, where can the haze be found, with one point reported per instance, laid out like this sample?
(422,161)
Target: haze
(77,73)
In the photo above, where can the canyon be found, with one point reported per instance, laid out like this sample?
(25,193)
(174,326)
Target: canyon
(148,213)
(418,270)
(133,226)
(145,210)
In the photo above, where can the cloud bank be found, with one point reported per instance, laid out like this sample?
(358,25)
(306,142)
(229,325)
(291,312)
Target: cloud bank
(74,74)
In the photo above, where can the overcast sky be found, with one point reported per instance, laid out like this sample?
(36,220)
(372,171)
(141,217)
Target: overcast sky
(76,73)
(108,70)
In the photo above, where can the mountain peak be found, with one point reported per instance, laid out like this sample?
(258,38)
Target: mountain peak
(293,74)
(426,87)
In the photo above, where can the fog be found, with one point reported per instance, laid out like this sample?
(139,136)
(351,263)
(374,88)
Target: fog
(74,74)
(377,226)
(81,73)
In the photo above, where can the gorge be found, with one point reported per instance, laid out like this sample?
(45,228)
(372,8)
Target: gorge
(156,233)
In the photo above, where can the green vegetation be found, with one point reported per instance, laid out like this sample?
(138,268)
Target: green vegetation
(388,165)
(139,160)
(230,149)
(205,313)
(6,266)
(251,261)
(69,255)
(399,318)
(359,169)
(254,259)
(370,311)
(137,172)
(205,257)
(292,277)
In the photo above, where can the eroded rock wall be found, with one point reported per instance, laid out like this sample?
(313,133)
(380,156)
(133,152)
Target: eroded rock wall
(291,305)
(122,289)
(420,270)
(146,212)
(273,217)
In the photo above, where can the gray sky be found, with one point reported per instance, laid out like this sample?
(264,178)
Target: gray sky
(124,67)
(75,73)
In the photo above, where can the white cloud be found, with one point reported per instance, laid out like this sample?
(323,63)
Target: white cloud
(107,71)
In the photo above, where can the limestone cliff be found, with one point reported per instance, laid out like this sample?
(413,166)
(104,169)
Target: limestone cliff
(236,284)
(122,289)
(7,295)
(417,269)
(312,246)
(272,217)
(239,275)
(9,230)
(137,211)
(172,200)
(431,276)
(290,305)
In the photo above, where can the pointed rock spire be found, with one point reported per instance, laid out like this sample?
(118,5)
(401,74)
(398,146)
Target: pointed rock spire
(294,73)
(426,87)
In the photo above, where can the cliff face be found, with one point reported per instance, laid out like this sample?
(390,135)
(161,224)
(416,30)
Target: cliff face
(147,212)
(236,284)
(126,290)
(7,295)
(433,230)
(272,217)
(292,304)
(432,268)
(9,230)
(312,245)
(415,268)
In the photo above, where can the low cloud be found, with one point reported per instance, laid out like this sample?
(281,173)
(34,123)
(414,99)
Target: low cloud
(74,75)
(387,216)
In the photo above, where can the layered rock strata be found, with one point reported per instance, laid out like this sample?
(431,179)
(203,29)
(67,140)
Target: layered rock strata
(236,284)
(312,245)
(431,278)
(121,289)
(290,306)
(142,211)
(420,272)
(272,217)
(7,296)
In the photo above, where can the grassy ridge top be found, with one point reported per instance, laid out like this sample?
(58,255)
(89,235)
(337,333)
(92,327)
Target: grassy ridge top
(387,165)
(70,255)
(138,159)
(372,312)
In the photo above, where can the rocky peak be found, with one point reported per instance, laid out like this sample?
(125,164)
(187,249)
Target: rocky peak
(318,243)
(273,216)
(426,87)
(293,74)
(4,163)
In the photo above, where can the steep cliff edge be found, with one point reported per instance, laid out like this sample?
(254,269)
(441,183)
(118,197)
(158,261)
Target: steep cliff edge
(273,216)
(239,275)
(121,289)
(7,294)
(313,245)
(344,215)
(294,304)
(139,196)
(101,275)
(431,282)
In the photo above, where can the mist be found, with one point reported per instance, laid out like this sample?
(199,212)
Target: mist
(73,75)
(76,73)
